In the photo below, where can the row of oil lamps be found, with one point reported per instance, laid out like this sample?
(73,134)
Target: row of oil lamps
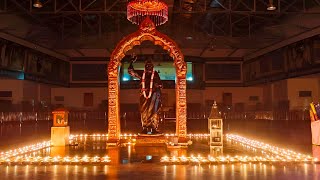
(285,153)
(233,159)
(26,160)
(276,154)
(130,135)
(46,144)
(272,154)
(24,150)
(38,160)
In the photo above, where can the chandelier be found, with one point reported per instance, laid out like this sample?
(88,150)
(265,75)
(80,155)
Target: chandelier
(137,10)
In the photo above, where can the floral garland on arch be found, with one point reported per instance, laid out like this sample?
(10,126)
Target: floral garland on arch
(144,86)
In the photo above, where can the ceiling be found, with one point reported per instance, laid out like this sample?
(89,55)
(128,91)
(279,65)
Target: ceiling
(201,28)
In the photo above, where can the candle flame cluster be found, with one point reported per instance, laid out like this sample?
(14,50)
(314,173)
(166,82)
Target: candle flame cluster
(288,155)
(48,160)
(24,150)
(272,154)
(198,135)
(20,157)
(72,136)
(232,159)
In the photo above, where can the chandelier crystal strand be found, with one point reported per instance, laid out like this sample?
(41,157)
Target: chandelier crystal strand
(144,86)
(155,9)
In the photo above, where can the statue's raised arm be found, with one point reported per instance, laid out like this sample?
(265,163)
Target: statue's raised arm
(131,70)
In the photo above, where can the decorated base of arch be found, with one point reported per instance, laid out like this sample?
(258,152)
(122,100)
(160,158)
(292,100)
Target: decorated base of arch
(146,32)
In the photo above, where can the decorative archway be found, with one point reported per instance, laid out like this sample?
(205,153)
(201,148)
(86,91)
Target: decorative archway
(146,31)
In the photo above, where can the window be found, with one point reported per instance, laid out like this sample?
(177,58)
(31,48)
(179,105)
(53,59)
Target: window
(165,69)
(223,72)
(253,98)
(5,93)
(59,98)
(227,99)
(89,72)
(88,99)
(305,93)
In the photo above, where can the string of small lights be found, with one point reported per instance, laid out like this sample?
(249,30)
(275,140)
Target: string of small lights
(233,159)
(267,148)
(4,156)
(56,160)
(271,154)
(131,135)
(25,149)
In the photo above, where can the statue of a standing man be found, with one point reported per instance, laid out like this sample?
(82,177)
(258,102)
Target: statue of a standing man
(150,96)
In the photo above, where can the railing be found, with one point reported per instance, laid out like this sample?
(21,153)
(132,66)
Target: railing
(83,115)
(259,115)
(190,115)
(7,117)
(269,115)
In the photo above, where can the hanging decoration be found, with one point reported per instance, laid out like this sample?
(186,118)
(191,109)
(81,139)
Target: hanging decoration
(137,10)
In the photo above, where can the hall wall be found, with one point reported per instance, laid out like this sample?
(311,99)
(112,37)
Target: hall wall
(73,97)
(15,86)
(291,94)
(26,92)
(240,95)
(280,94)
(296,87)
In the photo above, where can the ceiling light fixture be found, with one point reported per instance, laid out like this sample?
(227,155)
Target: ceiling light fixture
(37,4)
(156,10)
(271,7)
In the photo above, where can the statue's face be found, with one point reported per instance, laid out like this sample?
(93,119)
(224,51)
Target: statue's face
(148,66)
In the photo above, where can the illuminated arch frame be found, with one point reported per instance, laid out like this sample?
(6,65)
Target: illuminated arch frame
(146,32)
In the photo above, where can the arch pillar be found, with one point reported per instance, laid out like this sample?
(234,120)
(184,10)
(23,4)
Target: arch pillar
(181,110)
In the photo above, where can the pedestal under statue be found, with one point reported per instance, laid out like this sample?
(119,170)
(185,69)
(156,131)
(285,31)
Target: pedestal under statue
(150,96)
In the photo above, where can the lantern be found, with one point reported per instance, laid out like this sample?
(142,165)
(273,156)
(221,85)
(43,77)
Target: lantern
(215,126)
(60,117)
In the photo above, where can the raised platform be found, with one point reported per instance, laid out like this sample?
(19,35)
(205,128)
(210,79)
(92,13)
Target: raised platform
(151,140)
